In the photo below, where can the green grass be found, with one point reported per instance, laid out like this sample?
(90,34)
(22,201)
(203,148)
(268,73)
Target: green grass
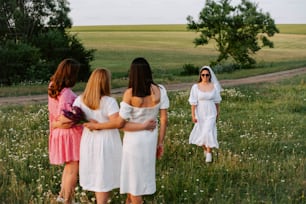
(168,48)
(261,158)
(171,50)
(292,28)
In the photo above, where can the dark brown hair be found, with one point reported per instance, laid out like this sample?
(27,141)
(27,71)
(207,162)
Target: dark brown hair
(65,76)
(140,77)
(201,70)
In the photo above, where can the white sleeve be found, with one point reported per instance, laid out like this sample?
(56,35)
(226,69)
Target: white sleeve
(77,102)
(193,97)
(125,111)
(111,106)
(164,100)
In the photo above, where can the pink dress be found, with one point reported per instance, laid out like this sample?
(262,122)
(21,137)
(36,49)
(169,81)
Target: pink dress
(64,144)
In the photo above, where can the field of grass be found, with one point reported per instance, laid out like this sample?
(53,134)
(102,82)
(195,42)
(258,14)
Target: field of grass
(261,158)
(168,48)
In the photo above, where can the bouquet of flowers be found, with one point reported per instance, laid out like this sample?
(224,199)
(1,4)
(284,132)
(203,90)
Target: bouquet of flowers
(76,115)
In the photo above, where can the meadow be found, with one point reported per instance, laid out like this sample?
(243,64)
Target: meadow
(261,158)
(168,48)
(261,129)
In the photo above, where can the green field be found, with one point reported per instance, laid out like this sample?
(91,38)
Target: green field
(261,158)
(168,48)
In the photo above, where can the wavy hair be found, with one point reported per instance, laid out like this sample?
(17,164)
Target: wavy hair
(65,76)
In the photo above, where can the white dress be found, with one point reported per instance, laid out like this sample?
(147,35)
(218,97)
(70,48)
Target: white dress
(204,131)
(139,149)
(101,150)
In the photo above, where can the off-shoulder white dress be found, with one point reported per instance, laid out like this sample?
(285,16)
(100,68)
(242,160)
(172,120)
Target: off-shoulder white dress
(139,149)
(204,132)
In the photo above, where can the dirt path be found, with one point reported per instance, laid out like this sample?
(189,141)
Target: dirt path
(21,100)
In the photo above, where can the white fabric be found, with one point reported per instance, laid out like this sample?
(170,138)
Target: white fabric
(139,149)
(204,131)
(101,150)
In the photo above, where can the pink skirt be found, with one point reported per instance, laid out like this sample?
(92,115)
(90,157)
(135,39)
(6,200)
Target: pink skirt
(64,145)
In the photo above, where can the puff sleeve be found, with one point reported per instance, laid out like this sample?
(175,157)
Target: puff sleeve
(164,100)
(125,110)
(193,97)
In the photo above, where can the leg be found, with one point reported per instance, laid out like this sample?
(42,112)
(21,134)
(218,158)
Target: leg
(60,197)
(204,148)
(102,197)
(128,199)
(70,179)
(136,199)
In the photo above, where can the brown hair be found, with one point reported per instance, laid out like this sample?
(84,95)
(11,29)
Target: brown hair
(98,85)
(140,77)
(65,76)
(202,69)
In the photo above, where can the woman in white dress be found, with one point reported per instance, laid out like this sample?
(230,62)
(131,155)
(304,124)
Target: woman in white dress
(143,100)
(204,100)
(100,150)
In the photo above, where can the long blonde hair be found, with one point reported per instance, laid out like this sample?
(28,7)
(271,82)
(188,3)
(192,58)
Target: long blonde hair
(98,85)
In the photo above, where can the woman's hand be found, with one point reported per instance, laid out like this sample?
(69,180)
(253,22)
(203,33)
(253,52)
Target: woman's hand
(91,125)
(194,119)
(150,124)
(159,151)
(62,122)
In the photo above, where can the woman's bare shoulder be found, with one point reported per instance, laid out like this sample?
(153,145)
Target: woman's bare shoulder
(127,96)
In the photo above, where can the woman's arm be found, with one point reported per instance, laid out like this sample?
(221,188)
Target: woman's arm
(115,121)
(147,125)
(162,132)
(62,122)
(218,109)
(194,119)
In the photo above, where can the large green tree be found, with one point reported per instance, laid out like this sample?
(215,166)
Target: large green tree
(238,31)
(38,25)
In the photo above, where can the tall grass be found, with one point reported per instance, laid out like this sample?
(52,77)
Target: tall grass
(261,158)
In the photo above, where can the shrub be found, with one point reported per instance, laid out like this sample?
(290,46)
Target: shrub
(190,69)
(16,60)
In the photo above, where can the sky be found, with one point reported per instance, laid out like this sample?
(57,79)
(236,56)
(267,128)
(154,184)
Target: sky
(143,12)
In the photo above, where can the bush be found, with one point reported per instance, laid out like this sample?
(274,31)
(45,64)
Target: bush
(221,68)
(56,46)
(16,60)
(190,69)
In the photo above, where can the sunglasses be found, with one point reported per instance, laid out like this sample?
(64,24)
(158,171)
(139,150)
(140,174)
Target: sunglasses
(207,75)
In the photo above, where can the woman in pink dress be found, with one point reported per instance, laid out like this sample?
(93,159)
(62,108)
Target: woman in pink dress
(64,137)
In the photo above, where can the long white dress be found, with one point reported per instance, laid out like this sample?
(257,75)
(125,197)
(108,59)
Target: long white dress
(101,150)
(204,132)
(139,149)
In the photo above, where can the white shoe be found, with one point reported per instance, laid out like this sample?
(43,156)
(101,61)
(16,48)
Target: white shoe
(60,199)
(208,157)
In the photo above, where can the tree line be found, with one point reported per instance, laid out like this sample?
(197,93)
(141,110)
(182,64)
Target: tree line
(34,40)
(34,37)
